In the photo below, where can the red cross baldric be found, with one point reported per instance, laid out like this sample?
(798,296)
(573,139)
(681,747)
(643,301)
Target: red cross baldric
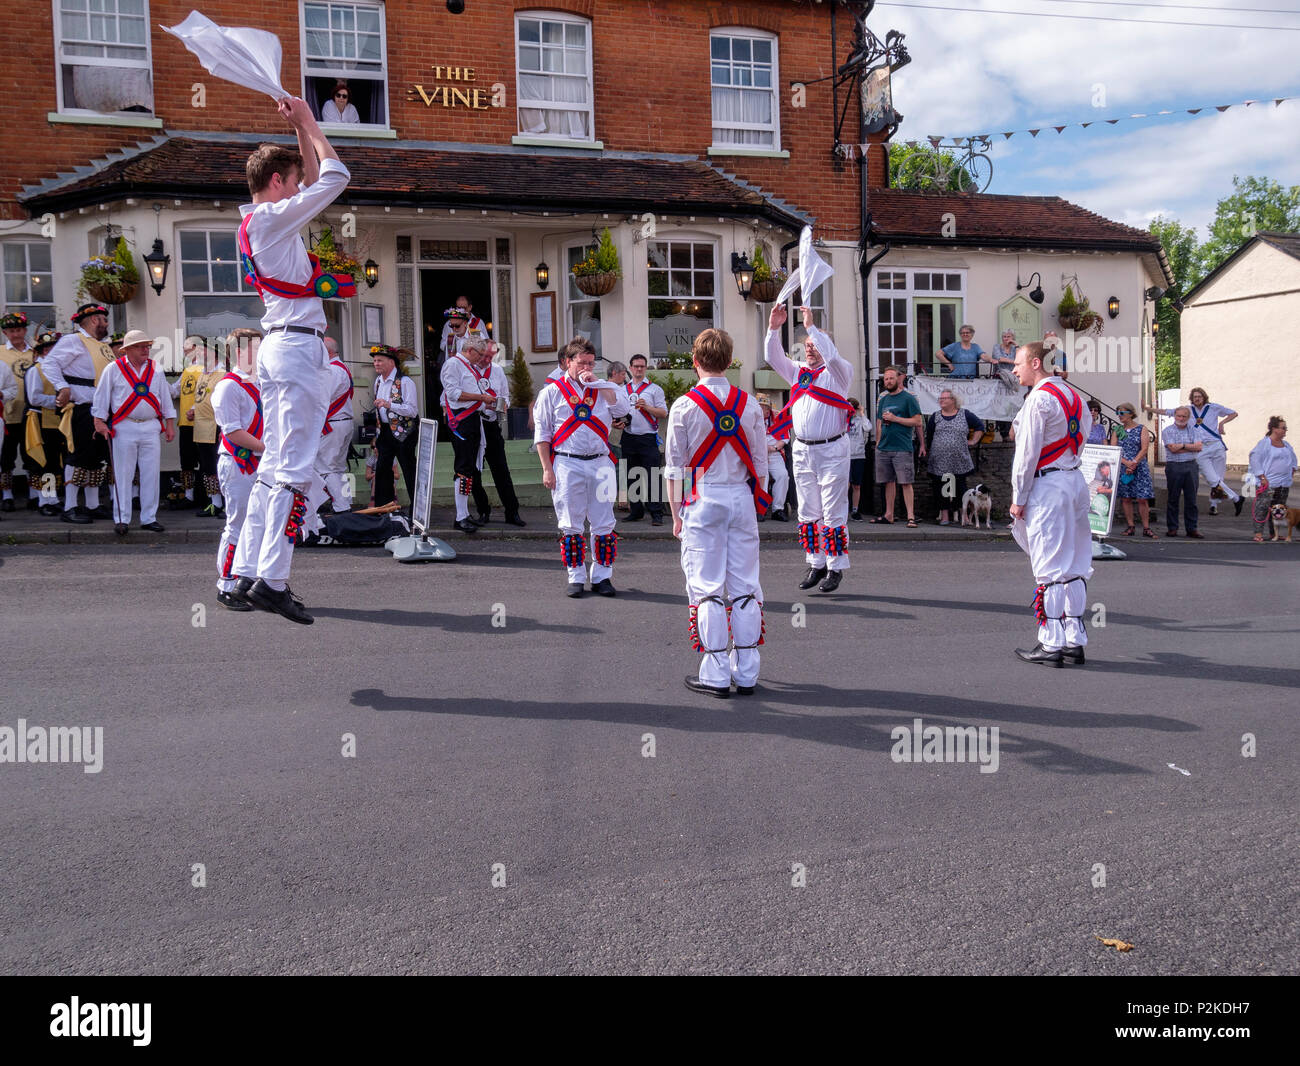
(783,423)
(140,390)
(726,431)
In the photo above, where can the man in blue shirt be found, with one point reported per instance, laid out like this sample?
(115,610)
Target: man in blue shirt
(961,357)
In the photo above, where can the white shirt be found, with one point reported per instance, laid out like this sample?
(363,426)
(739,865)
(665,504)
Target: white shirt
(278,249)
(688,427)
(1208,418)
(459,376)
(70,356)
(552,410)
(499,384)
(329,112)
(232,407)
(36,387)
(653,395)
(555,374)
(1276,464)
(859,427)
(113,392)
(406,407)
(814,420)
(8,385)
(476,328)
(1039,422)
(337,382)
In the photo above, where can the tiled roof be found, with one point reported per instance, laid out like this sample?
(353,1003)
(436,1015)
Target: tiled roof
(1283,242)
(196,168)
(907,217)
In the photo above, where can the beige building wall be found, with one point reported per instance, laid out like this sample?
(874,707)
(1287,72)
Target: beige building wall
(1239,343)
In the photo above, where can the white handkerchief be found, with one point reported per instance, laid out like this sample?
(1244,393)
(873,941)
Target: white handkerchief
(813,270)
(242,55)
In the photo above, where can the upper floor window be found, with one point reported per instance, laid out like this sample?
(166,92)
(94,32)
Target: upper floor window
(103,56)
(746,113)
(217,298)
(345,62)
(27,284)
(553,58)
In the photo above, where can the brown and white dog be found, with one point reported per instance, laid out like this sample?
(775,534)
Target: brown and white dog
(1282,514)
(975,502)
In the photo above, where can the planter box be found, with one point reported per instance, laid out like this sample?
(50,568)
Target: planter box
(770,381)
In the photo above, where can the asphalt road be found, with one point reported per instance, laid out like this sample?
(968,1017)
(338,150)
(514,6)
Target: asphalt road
(522,745)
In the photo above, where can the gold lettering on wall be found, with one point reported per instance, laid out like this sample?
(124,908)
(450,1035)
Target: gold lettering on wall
(452,96)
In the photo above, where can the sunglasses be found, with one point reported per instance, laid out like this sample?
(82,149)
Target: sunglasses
(340,96)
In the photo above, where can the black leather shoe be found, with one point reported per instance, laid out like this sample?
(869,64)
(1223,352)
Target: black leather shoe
(1236,507)
(1196,534)
(32,503)
(1040,655)
(51,510)
(696,685)
(813,576)
(832,581)
(281,601)
(76,515)
(120,529)
(779,515)
(240,591)
(7,506)
(745,690)
(656,521)
(574,590)
(515,520)
(103,511)
(155,527)
(230,603)
(604,587)
(634,517)
(466,526)
(482,519)
(1073,654)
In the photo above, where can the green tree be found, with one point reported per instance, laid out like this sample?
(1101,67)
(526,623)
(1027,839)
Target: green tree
(1255,204)
(919,166)
(1183,251)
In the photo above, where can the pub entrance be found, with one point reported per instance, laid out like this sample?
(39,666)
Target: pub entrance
(440,287)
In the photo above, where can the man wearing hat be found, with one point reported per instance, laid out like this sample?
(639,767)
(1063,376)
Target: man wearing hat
(74,366)
(132,406)
(461,325)
(43,423)
(17,358)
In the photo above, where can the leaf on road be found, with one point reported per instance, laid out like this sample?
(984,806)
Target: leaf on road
(1118,945)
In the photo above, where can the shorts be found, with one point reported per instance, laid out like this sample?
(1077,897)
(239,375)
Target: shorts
(895,466)
(857,470)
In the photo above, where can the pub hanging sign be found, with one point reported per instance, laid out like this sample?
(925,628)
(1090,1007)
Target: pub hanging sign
(458,90)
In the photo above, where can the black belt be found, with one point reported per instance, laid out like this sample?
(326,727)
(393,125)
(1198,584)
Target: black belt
(571,455)
(828,440)
(85,383)
(297,329)
(1052,470)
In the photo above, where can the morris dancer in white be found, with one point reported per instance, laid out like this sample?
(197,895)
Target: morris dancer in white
(716,468)
(818,415)
(331,481)
(237,406)
(1208,419)
(1049,502)
(131,407)
(292,359)
(572,416)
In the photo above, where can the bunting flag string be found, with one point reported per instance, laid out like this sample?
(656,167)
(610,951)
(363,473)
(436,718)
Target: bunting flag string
(856,151)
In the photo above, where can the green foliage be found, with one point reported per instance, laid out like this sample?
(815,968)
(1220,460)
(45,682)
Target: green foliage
(123,258)
(1255,204)
(1182,249)
(674,385)
(763,270)
(602,259)
(1068,305)
(521,381)
(919,166)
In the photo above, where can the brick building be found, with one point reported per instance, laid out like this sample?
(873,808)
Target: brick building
(487,144)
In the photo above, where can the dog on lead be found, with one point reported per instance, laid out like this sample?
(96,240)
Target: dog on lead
(1283,515)
(977,501)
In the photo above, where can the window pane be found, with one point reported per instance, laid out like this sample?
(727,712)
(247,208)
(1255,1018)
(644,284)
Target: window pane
(763,77)
(575,34)
(132,30)
(954,283)
(530,58)
(763,51)
(552,32)
(882,336)
(15,258)
(74,27)
(740,48)
(720,48)
(43,286)
(744,76)
(529,30)
(225,277)
(681,283)
(131,7)
(552,60)
(704,256)
(315,16)
(658,253)
(194,277)
(223,246)
(15,288)
(575,62)
(367,20)
(900,337)
(318,43)
(703,284)
(369,50)
(681,255)
(721,74)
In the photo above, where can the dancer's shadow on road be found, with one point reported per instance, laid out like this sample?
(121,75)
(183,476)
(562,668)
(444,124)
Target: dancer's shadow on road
(799,712)
(448,623)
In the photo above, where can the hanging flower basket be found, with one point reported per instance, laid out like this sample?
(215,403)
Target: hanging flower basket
(765,292)
(596,284)
(121,292)
(1081,322)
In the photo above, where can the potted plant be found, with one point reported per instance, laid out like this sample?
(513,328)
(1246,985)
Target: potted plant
(521,395)
(1074,313)
(767,282)
(110,279)
(333,259)
(600,269)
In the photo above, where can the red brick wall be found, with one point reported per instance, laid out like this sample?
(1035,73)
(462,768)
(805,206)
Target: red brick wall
(651,70)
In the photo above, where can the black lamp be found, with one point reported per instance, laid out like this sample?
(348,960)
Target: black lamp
(372,273)
(1035,294)
(158,262)
(1112,307)
(543,275)
(743,269)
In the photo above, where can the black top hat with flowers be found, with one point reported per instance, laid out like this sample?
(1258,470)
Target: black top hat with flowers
(14,320)
(45,340)
(86,310)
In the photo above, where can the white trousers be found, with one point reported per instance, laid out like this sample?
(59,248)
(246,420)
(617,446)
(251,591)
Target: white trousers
(136,444)
(821,479)
(780,478)
(1059,543)
(289,369)
(720,561)
(236,487)
(332,466)
(1212,460)
(584,492)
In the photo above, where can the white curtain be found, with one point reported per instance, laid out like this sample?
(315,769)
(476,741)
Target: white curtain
(553,122)
(741,105)
(110,89)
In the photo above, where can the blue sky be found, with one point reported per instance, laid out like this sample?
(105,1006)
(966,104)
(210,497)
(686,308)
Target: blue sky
(975,71)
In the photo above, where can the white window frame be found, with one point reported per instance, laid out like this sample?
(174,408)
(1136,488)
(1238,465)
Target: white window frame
(343,73)
(207,230)
(690,239)
(60,61)
(732,32)
(571,302)
(27,272)
(547,105)
(910,292)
